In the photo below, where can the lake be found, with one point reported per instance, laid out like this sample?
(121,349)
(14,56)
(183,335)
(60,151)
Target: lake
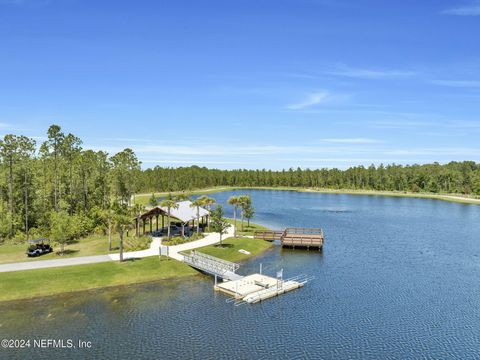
(398,278)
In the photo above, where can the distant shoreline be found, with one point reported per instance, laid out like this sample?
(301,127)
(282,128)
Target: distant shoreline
(143,198)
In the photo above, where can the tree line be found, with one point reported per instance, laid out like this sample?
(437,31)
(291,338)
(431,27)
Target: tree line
(454,177)
(57,187)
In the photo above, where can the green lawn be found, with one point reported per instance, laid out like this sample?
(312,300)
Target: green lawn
(90,245)
(231,246)
(43,282)
(247,229)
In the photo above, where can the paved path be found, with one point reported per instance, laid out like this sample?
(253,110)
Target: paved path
(42,264)
(209,239)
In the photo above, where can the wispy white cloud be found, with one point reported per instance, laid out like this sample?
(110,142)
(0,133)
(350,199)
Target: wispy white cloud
(335,152)
(352,141)
(203,151)
(466,10)
(466,153)
(457,83)
(447,125)
(316,98)
(346,71)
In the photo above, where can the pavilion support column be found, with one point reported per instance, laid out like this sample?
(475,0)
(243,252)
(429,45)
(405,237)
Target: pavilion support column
(163,221)
(150,220)
(136,228)
(183,229)
(156,222)
(144,221)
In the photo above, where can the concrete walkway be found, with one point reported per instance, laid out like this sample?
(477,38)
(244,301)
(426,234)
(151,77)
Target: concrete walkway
(42,264)
(209,239)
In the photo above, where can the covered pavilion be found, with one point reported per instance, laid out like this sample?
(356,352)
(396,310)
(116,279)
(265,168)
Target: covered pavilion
(184,213)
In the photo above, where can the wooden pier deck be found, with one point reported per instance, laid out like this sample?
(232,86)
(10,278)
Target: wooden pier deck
(294,237)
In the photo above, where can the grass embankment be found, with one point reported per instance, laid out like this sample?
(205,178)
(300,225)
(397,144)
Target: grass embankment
(231,246)
(43,282)
(90,245)
(248,229)
(460,198)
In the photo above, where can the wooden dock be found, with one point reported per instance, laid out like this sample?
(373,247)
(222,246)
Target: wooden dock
(294,237)
(269,235)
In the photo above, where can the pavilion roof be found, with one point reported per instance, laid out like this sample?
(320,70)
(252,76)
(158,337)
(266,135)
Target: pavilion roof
(185,212)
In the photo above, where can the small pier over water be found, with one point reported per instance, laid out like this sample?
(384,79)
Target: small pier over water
(243,289)
(294,237)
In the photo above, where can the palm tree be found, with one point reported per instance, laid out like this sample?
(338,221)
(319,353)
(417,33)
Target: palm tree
(108,218)
(122,220)
(207,202)
(182,196)
(169,204)
(196,204)
(244,201)
(234,201)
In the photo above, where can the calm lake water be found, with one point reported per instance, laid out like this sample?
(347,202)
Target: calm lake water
(398,278)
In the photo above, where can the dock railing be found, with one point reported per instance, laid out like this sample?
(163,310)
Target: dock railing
(210,264)
(268,235)
(304,231)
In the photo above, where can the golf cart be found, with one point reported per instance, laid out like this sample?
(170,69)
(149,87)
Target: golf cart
(39,247)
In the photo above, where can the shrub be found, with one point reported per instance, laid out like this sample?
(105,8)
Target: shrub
(135,244)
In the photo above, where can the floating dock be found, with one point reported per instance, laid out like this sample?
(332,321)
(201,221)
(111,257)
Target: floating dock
(257,287)
(244,289)
(294,237)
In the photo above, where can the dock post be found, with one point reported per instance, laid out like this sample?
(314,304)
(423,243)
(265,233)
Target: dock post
(215,287)
(260,268)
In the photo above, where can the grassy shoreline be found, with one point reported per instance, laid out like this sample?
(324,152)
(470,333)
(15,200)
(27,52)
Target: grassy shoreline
(231,246)
(459,198)
(29,284)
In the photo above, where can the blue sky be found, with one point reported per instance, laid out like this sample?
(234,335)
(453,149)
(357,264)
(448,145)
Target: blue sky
(247,83)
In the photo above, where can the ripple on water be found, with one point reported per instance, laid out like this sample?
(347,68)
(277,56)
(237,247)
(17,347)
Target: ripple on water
(398,278)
